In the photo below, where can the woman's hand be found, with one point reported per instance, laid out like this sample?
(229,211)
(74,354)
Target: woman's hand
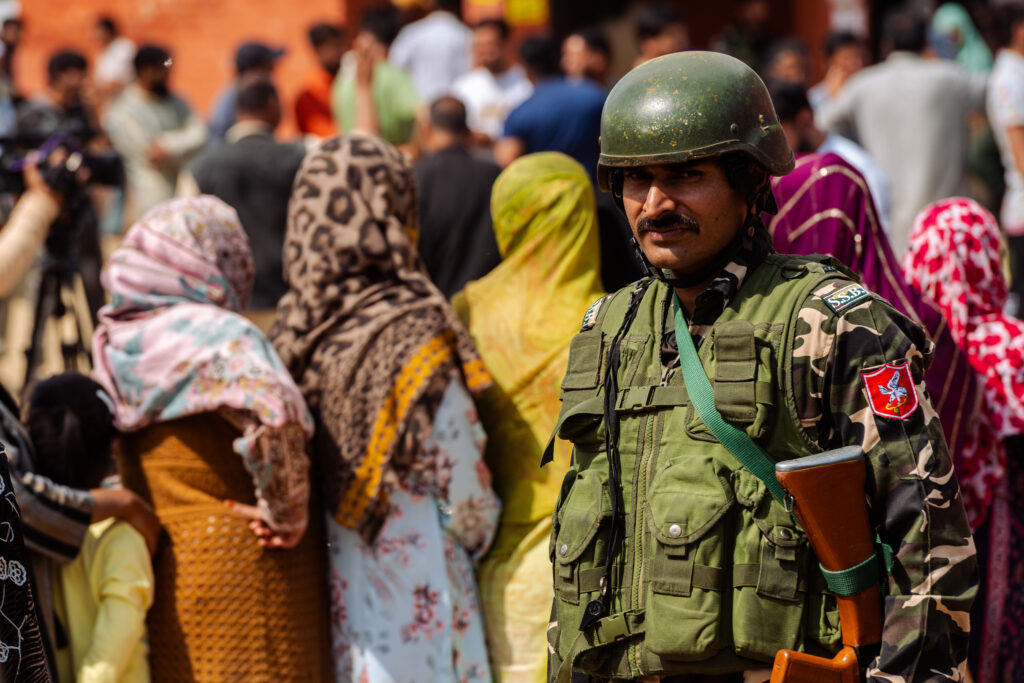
(265,536)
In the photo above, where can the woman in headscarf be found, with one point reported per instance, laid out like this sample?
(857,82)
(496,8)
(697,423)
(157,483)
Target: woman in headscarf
(388,371)
(213,417)
(825,207)
(522,317)
(955,258)
(954,36)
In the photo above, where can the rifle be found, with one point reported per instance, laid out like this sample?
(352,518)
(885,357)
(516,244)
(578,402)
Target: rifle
(827,493)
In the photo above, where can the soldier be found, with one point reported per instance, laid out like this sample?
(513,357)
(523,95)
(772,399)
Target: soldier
(672,561)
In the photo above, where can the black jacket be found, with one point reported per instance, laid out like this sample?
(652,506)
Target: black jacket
(456,236)
(254,175)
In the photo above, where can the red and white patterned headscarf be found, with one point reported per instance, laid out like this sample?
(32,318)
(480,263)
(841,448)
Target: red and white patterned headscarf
(954,257)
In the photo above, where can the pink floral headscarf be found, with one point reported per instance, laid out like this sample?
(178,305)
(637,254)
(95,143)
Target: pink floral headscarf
(172,344)
(954,258)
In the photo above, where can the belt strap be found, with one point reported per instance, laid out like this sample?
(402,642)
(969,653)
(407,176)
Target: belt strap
(604,631)
(648,397)
(708,578)
(854,579)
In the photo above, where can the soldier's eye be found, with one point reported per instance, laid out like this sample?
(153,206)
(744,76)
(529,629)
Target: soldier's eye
(686,174)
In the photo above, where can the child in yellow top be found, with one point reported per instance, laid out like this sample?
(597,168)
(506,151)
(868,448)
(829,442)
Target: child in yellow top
(102,596)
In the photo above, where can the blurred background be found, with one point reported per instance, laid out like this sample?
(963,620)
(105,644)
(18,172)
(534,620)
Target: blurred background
(74,67)
(202,34)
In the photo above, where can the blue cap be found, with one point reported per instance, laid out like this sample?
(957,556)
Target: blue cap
(251,55)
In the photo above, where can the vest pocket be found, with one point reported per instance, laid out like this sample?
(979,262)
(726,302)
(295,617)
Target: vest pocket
(688,565)
(770,571)
(578,549)
(585,355)
(743,357)
(822,623)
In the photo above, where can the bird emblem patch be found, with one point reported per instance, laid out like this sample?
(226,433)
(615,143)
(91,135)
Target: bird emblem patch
(891,391)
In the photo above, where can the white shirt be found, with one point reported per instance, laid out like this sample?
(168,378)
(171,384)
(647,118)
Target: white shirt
(134,121)
(434,51)
(909,114)
(878,182)
(489,98)
(1005,105)
(114,65)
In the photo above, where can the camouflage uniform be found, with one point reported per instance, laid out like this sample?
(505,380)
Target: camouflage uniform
(912,490)
(677,109)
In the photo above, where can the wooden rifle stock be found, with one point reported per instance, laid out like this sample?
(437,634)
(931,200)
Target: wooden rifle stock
(827,491)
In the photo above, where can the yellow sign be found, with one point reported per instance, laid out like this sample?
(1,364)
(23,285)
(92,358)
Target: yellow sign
(526,12)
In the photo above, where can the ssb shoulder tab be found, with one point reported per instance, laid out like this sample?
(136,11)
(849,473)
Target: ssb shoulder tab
(590,317)
(846,297)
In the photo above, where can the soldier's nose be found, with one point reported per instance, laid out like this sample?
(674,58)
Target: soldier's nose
(657,202)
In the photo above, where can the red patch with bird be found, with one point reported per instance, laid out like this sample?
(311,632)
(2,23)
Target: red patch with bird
(891,390)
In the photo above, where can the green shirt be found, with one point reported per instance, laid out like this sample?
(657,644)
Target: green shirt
(394,98)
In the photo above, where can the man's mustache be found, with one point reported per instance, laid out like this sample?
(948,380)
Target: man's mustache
(669,220)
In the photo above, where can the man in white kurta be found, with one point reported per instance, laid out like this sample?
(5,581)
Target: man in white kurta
(154,131)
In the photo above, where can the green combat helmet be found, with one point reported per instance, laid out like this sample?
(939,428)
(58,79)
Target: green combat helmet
(687,106)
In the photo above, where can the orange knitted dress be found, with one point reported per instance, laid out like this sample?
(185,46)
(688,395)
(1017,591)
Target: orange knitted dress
(225,608)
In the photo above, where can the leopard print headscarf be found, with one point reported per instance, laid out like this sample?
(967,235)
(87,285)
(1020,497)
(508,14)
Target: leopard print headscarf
(367,336)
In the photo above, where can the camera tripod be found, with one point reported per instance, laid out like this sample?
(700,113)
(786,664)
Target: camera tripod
(57,300)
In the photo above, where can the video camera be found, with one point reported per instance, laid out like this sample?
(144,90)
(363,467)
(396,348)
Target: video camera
(55,143)
(104,168)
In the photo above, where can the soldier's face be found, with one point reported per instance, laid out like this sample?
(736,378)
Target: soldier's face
(683,215)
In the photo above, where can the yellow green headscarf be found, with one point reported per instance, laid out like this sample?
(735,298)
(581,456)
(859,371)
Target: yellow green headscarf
(523,315)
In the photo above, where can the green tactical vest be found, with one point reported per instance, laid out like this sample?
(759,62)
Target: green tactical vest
(713,576)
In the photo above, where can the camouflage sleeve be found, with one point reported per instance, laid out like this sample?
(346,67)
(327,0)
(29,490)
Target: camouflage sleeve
(858,375)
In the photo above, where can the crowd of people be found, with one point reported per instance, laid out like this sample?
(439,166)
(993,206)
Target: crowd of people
(325,372)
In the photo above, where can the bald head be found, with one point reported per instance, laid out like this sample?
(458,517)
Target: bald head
(447,124)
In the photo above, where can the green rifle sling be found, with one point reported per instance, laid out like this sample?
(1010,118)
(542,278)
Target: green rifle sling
(845,582)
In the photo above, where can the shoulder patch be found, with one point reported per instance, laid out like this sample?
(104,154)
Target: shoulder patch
(590,317)
(891,391)
(846,297)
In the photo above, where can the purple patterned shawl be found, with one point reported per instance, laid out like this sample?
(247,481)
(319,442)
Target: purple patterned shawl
(825,207)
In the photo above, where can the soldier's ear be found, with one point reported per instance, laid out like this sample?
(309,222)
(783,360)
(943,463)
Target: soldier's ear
(760,181)
(759,175)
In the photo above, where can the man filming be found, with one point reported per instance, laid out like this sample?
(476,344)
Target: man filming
(23,234)
(64,105)
(47,183)
(64,109)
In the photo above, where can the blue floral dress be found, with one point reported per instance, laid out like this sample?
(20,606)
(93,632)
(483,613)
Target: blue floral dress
(405,609)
